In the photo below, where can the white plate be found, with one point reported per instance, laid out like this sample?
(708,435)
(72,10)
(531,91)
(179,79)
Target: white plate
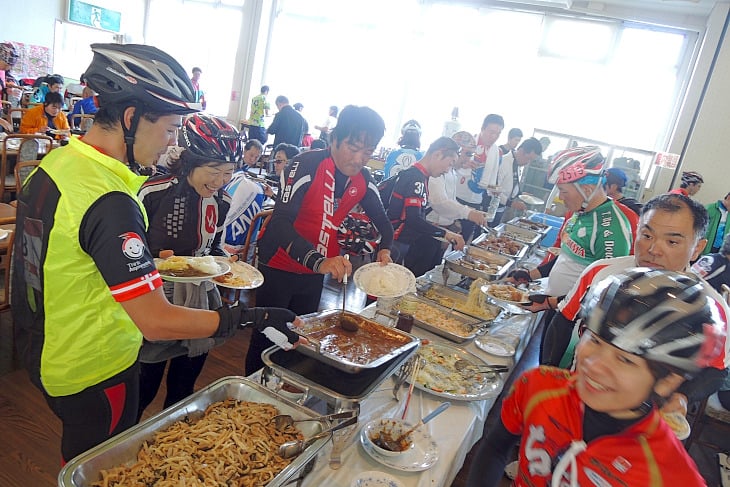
(423,455)
(251,275)
(494,346)
(222,269)
(389,281)
(4,233)
(442,369)
(374,478)
(531,200)
(485,290)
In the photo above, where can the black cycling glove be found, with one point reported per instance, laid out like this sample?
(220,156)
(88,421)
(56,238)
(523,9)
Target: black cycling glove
(272,322)
(521,276)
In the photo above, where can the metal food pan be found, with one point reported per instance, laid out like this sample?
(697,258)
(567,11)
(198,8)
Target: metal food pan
(466,326)
(86,468)
(458,300)
(468,263)
(370,346)
(530,225)
(482,240)
(325,381)
(518,233)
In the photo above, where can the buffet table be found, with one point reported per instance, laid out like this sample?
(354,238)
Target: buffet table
(455,431)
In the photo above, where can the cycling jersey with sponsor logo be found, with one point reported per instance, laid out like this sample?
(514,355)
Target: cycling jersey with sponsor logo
(80,251)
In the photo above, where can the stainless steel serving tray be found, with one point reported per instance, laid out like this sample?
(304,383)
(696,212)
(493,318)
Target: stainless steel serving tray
(520,234)
(456,299)
(369,347)
(482,240)
(467,262)
(530,225)
(85,469)
(467,325)
(325,381)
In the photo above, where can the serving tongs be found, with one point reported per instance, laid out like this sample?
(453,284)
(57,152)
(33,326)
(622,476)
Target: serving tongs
(293,448)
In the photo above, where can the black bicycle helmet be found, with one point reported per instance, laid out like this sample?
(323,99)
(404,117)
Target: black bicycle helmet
(692,177)
(136,74)
(8,54)
(664,317)
(144,77)
(211,138)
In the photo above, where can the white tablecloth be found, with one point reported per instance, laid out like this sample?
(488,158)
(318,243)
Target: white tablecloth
(456,430)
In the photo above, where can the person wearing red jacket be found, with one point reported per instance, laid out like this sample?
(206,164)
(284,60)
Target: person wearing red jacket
(646,331)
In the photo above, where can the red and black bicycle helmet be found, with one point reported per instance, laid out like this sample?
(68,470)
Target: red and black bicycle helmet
(211,138)
(357,234)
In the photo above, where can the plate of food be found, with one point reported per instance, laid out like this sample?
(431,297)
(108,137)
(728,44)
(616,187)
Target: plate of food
(60,132)
(440,377)
(179,268)
(241,275)
(678,423)
(384,281)
(506,294)
(531,200)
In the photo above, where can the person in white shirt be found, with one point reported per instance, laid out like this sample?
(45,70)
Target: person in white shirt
(446,210)
(328,125)
(487,153)
(508,176)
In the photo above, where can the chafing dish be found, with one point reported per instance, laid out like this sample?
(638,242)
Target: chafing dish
(478,263)
(530,225)
(502,244)
(440,320)
(85,469)
(459,300)
(325,381)
(520,234)
(353,352)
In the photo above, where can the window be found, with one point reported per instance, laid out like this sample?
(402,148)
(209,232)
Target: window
(609,81)
(202,34)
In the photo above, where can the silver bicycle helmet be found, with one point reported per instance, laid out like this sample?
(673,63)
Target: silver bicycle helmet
(665,317)
(144,77)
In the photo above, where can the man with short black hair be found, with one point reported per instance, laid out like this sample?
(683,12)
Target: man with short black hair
(318,189)
(514,136)
(508,177)
(259,109)
(199,94)
(415,244)
(288,124)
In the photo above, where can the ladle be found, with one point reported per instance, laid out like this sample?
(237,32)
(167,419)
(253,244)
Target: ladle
(293,448)
(347,323)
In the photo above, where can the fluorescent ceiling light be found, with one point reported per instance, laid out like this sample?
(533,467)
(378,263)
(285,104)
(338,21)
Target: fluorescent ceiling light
(547,3)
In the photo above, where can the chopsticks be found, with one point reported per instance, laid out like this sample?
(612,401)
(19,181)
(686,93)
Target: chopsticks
(416,369)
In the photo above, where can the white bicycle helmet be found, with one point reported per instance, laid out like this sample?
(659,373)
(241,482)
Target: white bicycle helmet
(664,317)
(572,165)
(692,177)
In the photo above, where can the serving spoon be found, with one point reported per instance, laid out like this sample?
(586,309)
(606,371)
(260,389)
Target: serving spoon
(293,448)
(394,444)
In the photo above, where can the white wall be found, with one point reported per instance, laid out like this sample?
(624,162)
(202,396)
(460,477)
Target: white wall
(35,21)
(708,148)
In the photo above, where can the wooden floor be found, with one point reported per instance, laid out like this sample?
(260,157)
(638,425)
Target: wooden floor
(30,433)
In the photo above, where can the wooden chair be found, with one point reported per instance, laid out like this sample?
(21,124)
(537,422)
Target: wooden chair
(5,264)
(248,253)
(85,121)
(22,171)
(28,150)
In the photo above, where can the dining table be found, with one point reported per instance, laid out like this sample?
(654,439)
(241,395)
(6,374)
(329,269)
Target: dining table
(454,432)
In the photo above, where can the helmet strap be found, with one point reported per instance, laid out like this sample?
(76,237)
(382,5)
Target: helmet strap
(129,134)
(586,199)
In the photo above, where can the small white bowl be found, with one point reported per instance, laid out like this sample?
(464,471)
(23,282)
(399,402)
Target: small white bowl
(375,479)
(390,429)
